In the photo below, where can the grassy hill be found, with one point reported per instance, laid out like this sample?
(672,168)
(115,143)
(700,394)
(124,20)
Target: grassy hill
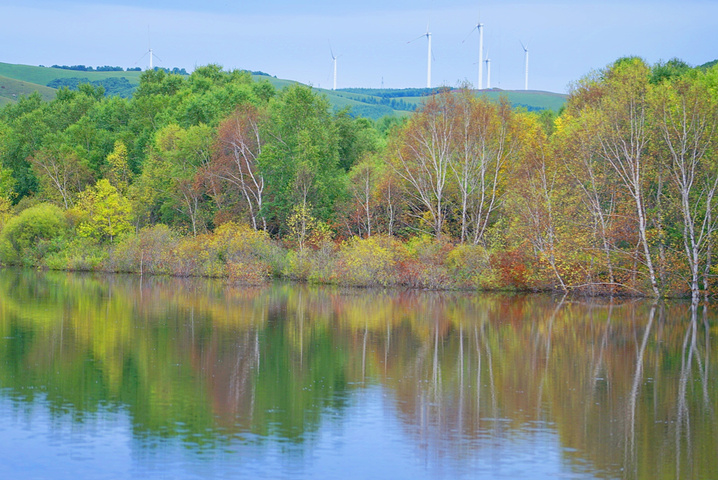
(11,89)
(45,75)
(16,80)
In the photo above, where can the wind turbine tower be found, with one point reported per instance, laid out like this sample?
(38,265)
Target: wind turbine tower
(428,58)
(480,27)
(334,62)
(488,71)
(526,68)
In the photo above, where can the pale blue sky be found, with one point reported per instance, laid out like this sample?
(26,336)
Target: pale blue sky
(566,39)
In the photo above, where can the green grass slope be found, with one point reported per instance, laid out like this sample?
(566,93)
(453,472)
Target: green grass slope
(11,89)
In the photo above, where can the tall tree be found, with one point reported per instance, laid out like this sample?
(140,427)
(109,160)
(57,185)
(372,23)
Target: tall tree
(61,171)
(576,147)
(299,161)
(422,155)
(237,159)
(624,137)
(173,178)
(104,211)
(685,114)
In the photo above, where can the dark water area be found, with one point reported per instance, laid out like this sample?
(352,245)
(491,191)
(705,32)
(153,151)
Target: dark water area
(119,377)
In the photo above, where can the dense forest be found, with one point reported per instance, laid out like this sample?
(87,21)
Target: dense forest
(216,174)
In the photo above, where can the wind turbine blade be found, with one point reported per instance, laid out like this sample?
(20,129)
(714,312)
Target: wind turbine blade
(417,38)
(472,31)
(143,56)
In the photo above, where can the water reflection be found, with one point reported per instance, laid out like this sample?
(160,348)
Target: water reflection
(457,383)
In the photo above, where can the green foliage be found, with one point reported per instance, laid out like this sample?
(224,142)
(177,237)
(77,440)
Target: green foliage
(237,253)
(300,164)
(26,238)
(110,86)
(7,184)
(669,71)
(119,174)
(105,213)
(77,254)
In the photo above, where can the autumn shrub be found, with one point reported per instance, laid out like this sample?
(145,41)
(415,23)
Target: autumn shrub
(323,262)
(514,270)
(27,238)
(315,264)
(147,251)
(425,264)
(297,265)
(238,252)
(369,261)
(469,266)
(189,258)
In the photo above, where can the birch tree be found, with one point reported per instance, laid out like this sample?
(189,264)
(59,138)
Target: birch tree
(422,157)
(237,162)
(685,115)
(624,138)
(61,171)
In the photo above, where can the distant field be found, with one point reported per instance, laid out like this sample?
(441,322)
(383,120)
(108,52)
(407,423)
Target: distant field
(18,80)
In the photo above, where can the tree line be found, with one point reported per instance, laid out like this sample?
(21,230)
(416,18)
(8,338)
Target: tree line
(108,68)
(614,195)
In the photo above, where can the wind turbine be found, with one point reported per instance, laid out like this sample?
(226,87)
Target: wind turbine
(488,70)
(526,68)
(334,62)
(428,57)
(152,55)
(480,27)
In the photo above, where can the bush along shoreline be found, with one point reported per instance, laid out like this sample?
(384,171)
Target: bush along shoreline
(44,237)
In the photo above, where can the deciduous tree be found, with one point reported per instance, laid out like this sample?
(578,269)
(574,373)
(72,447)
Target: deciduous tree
(104,211)
(237,159)
(685,114)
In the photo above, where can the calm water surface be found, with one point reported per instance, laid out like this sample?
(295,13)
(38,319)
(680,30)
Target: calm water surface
(120,377)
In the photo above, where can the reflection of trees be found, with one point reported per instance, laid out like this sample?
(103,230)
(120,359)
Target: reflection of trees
(625,384)
(609,376)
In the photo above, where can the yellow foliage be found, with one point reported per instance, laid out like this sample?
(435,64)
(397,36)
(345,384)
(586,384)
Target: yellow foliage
(369,261)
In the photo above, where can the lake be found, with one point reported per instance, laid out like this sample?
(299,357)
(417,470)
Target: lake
(119,377)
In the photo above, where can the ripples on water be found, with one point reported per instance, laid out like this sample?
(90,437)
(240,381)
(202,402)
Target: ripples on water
(120,377)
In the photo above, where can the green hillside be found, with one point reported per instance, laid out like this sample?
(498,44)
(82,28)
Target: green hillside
(11,89)
(45,75)
(408,99)
(370,103)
